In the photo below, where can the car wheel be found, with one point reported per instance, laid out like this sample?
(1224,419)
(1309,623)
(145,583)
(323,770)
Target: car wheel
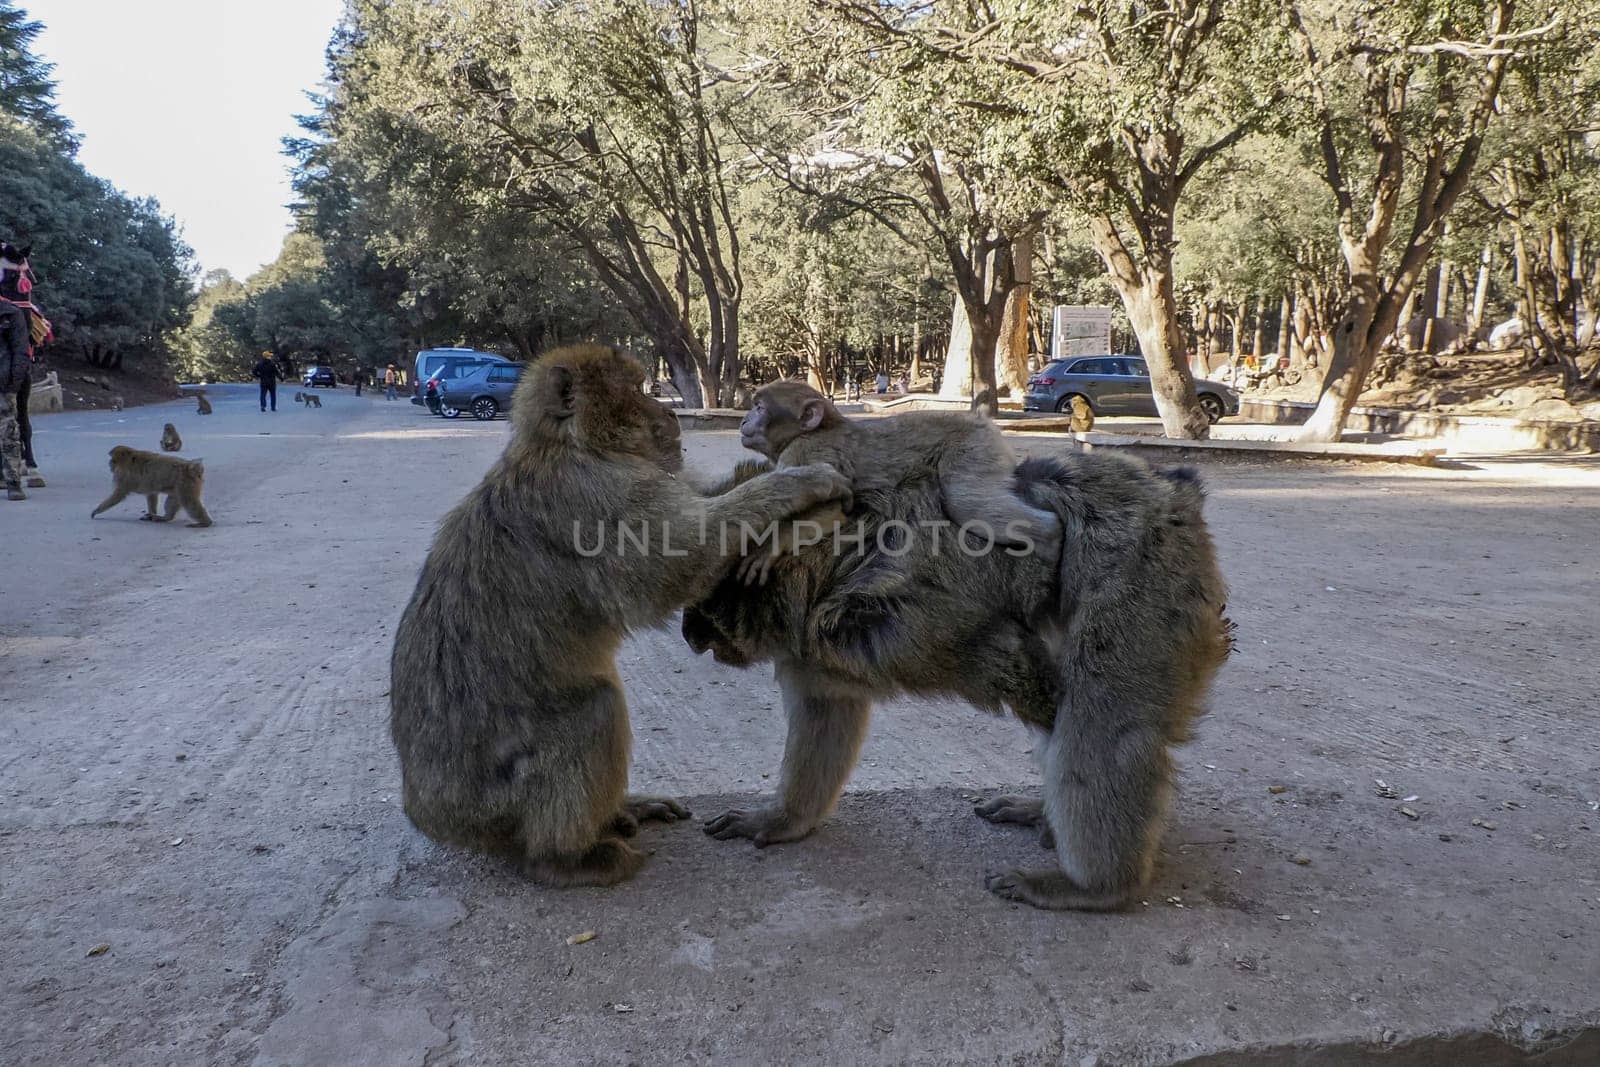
(484,408)
(449,412)
(1211,406)
(1064,405)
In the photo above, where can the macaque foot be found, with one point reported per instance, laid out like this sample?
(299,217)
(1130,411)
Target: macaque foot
(764,826)
(1052,890)
(610,861)
(636,810)
(1024,811)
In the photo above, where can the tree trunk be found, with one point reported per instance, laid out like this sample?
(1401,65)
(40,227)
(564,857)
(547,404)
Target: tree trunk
(1285,328)
(682,369)
(1480,293)
(1356,340)
(957,379)
(1257,337)
(916,350)
(1147,294)
(1011,350)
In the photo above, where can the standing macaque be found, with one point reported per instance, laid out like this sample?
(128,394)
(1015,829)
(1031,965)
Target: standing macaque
(170,441)
(506,708)
(151,474)
(1107,655)
(205,405)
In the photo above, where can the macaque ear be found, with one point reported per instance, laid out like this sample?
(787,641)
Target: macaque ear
(811,413)
(560,400)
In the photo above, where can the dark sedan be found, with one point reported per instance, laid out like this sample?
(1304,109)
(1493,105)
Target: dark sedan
(1114,385)
(323,376)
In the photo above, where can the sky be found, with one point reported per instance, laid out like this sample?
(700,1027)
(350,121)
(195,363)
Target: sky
(187,101)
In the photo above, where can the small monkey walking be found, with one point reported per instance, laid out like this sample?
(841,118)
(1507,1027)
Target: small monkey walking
(308,400)
(151,474)
(205,405)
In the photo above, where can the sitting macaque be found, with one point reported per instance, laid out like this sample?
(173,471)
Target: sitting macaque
(151,474)
(506,707)
(205,405)
(170,441)
(793,424)
(1082,415)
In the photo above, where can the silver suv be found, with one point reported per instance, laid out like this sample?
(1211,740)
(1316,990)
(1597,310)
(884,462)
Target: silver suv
(1114,385)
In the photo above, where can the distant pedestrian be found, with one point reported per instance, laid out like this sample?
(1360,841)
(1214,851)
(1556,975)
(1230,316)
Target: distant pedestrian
(905,384)
(882,383)
(359,376)
(390,378)
(266,372)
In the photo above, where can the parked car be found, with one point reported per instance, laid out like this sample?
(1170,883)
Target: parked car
(1114,385)
(431,360)
(485,391)
(450,370)
(319,375)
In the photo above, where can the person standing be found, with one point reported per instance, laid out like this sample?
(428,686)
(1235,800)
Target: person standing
(390,378)
(266,372)
(357,378)
(881,383)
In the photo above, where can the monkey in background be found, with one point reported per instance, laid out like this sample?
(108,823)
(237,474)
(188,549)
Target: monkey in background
(308,400)
(151,474)
(1082,415)
(505,704)
(170,441)
(205,405)
(1107,655)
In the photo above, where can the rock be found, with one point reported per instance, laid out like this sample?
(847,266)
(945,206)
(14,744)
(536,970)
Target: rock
(1554,410)
(1590,410)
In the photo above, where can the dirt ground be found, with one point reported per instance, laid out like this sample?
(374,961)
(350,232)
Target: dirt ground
(1498,383)
(203,859)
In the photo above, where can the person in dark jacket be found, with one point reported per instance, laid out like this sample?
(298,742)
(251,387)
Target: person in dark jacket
(266,372)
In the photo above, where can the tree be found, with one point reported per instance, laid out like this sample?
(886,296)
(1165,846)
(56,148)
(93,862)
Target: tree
(26,86)
(1542,182)
(1398,99)
(617,153)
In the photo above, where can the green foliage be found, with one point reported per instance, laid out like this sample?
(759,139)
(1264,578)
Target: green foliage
(27,92)
(114,274)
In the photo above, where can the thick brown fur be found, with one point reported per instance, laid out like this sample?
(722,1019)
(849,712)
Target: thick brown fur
(506,708)
(1108,654)
(170,441)
(150,474)
(205,405)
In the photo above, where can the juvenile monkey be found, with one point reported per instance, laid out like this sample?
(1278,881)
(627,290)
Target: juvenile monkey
(791,423)
(506,708)
(170,441)
(151,474)
(205,405)
(308,400)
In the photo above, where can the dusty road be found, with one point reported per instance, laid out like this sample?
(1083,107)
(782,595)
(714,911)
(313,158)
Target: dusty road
(195,771)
